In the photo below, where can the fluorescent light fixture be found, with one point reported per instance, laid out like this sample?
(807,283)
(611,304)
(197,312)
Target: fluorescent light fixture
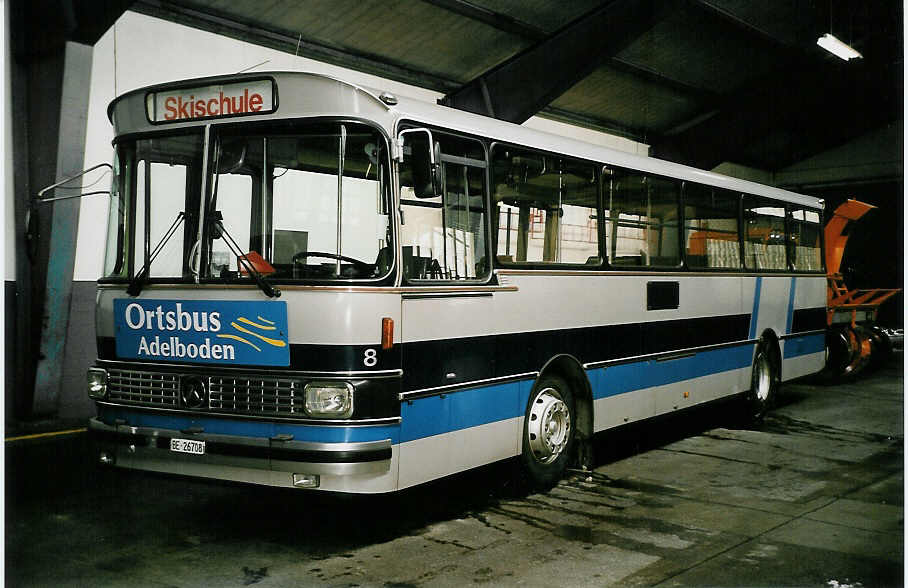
(837,48)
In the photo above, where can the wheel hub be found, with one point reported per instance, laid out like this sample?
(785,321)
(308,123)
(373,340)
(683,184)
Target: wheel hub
(548,426)
(764,383)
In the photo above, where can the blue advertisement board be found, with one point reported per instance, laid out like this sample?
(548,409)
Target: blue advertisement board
(203,331)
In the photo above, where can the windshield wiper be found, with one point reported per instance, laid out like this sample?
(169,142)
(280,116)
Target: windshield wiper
(138,281)
(219,231)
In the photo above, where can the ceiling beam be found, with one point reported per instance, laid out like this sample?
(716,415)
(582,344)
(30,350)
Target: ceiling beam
(496,20)
(529,32)
(520,87)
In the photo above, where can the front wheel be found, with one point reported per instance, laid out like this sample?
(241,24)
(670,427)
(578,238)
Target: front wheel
(548,432)
(763,383)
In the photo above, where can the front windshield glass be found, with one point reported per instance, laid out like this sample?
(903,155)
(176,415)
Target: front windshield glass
(155,192)
(308,202)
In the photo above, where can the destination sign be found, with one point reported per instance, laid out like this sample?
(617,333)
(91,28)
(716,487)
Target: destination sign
(242,98)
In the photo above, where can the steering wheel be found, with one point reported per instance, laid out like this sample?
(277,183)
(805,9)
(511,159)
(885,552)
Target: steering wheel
(299,257)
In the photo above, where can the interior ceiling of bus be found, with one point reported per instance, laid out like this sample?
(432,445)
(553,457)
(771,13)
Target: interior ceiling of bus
(700,81)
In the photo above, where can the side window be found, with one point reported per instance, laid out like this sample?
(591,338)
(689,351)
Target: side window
(443,236)
(711,233)
(642,220)
(545,209)
(764,244)
(804,245)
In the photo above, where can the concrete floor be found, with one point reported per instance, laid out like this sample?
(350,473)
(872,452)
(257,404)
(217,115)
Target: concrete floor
(813,497)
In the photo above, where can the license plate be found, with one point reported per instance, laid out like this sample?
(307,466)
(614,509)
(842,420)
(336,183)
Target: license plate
(187,446)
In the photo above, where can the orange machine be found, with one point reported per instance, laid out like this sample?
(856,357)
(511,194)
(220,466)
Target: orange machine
(853,337)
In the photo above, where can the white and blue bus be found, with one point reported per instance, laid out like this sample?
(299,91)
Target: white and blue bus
(313,284)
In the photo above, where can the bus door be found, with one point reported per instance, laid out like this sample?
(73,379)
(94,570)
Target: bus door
(447,314)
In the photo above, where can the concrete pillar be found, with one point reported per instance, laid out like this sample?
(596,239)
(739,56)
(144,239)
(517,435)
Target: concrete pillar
(64,227)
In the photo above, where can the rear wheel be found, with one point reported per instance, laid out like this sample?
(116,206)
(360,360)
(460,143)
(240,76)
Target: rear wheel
(764,382)
(548,432)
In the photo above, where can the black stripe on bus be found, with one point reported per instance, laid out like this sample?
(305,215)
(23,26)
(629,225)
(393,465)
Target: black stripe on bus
(429,364)
(808,319)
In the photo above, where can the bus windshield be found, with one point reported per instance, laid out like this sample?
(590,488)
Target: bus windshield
(302,202)
(308,203)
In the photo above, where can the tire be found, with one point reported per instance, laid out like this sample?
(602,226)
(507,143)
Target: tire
(548,432)
(881,347)
(764,383)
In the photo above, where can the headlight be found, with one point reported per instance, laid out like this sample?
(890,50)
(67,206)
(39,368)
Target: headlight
(97,383)
(329,399)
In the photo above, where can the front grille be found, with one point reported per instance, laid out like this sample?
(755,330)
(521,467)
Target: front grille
(143,387)
(238,395)
(256,395)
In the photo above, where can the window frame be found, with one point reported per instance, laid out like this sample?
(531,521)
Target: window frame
(600,229)
(441,159)
(739,220)
(821,229)
(132,259)
(783,204)
(679,234)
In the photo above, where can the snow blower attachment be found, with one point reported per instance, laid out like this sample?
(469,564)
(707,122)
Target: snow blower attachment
(853,339)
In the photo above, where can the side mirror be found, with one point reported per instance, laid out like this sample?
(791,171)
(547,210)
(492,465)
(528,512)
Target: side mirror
(31,233)
(424,155)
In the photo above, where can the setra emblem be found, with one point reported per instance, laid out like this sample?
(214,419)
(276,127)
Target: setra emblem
(192,392)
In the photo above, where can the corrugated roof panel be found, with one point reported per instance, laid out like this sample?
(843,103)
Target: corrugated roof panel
(418,35)
(608,94)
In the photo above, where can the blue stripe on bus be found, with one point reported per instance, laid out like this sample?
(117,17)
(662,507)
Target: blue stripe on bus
(798,346)
(756,309)
(620,379)
(791,305)
(455,411)
(426,417)
(436,415)
(250,428)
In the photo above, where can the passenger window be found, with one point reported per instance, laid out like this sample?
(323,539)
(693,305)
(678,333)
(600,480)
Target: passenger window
(764,245)
(642,220)
(804,245)
(711,227)
(546,209)
(443,236)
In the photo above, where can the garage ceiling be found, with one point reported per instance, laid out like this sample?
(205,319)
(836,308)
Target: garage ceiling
(702,81)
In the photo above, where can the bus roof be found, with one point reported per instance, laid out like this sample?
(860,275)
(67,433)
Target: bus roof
(339,98)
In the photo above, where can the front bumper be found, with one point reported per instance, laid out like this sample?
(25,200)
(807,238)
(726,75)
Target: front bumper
(367,466)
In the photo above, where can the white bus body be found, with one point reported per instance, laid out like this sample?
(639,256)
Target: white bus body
(402,347)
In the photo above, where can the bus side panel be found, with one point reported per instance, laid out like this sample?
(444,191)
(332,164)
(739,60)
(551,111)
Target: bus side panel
(804,348)
(449,433)
(634,391)
(770,304)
